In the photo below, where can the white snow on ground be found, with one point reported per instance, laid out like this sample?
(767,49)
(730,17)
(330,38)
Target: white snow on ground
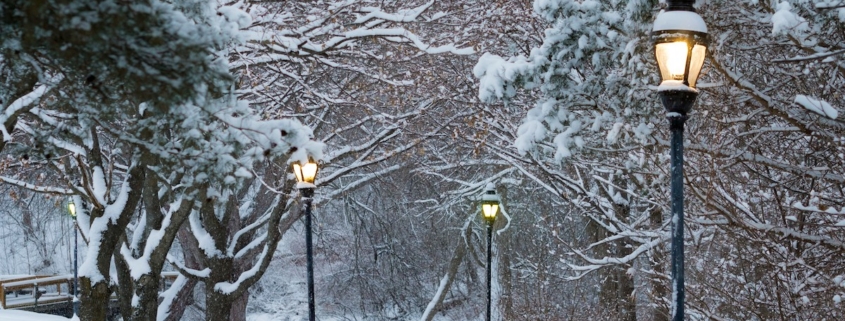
(16,315)
(275,317)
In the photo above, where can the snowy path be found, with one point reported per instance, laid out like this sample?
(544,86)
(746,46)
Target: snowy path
(15,315)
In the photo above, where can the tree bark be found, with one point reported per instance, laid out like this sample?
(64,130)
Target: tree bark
(503,248)
(218,306)
(96,295)
(185,297)
(24,78)
(659,290)
(454,264)
(126,291)
(146,288)
(94,300)
(238,312)
(182,301)
(627,303)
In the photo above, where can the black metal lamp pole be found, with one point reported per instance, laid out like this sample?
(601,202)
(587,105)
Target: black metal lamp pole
(680,41)
(307,197)
(75,268)
(676,125)
(489,267)
(306,173)
(489,208)
(71,207)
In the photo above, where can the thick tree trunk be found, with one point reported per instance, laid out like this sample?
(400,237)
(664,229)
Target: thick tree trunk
(94,299)
(503,246)
(232,305)
(627,303)
(218,306)
(182,301)
(454,264)
(185,297)
(607,280)
(659,289)
(238,312)
(146,288)
(616,294)
(126,290)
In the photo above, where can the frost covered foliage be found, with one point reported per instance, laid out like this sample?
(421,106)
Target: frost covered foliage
(590,70)
(768,163)
(149,50)
(163,146)
(586,135)
(764,159)
(131,110)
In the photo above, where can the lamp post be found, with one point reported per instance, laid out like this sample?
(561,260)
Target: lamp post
(305,175)
(680,45)
(71,208)
(489,208)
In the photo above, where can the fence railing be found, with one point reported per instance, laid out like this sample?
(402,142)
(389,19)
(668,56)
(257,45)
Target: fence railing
(24,291)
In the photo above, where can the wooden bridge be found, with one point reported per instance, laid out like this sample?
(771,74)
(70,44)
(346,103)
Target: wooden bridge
(30,291)
(51,294)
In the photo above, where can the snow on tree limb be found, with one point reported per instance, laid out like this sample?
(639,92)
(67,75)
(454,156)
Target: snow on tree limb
(817,106)
(43,189)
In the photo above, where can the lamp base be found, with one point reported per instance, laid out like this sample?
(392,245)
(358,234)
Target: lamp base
(307,192)
(678,101)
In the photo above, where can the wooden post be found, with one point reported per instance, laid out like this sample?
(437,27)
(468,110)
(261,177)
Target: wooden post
(2,296)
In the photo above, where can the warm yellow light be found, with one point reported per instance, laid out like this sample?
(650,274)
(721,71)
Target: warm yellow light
(695,63)
(490,210)
(305,173)
(672,56)
(71,208)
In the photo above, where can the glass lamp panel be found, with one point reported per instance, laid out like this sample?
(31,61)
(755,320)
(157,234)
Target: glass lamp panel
(672,59)
(490,210)
(71,208)
(696,62)
(309,172)
(297,170)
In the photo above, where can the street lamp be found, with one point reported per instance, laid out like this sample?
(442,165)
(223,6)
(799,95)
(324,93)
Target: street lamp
(680,45)
(305,175)
(489,208)
(71,208)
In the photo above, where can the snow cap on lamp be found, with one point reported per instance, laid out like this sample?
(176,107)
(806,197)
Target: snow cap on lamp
(490,203)
(680,46)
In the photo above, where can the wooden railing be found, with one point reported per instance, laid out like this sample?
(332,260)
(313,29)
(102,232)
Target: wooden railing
(38,286)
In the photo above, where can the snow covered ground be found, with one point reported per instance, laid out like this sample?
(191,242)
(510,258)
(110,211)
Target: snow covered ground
(16,315)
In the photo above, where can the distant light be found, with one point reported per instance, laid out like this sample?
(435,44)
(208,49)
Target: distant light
(71,208)
(490,203)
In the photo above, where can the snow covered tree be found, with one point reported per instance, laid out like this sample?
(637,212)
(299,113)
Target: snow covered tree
(768,174)
(592,71)
(172,125)
(756,171)
(149,123)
